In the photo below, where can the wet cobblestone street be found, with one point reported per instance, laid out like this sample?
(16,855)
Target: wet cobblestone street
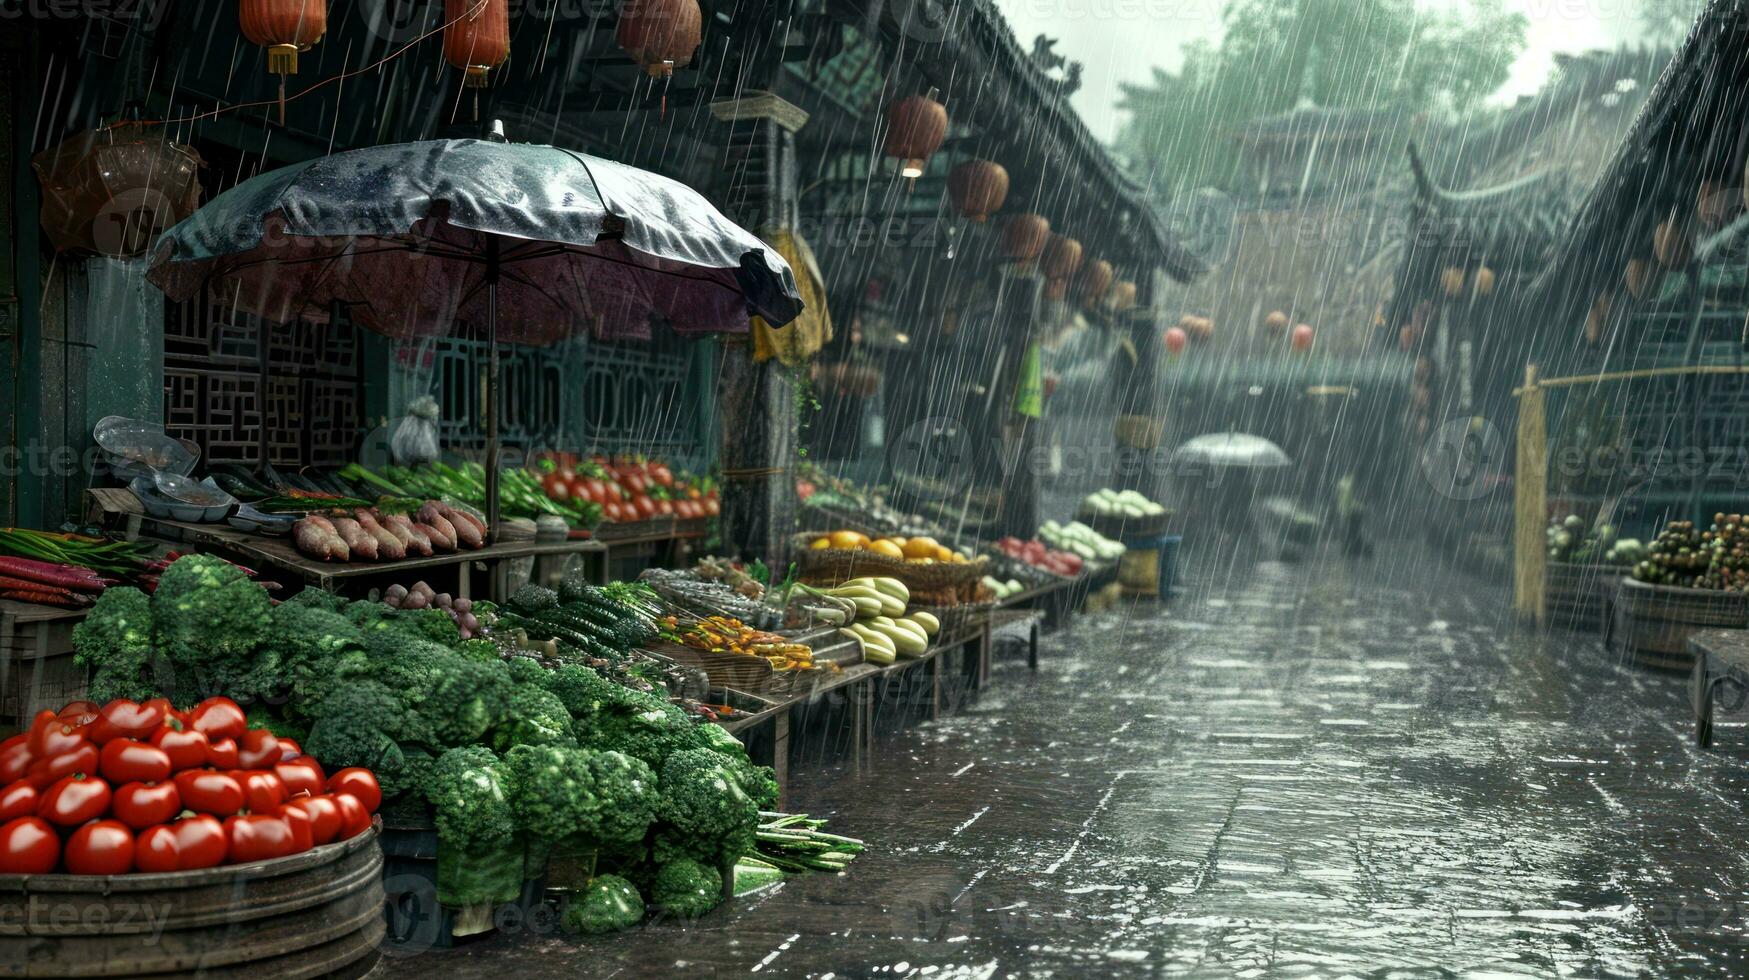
(1316,771)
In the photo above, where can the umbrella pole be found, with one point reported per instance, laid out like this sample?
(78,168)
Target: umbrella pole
(492,389)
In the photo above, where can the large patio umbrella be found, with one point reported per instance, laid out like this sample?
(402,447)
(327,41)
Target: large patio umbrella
(534,243)
(1235,449)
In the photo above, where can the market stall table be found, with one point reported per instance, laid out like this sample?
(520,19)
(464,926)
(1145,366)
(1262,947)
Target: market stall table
(1721,661)
(36,660)
(278,554)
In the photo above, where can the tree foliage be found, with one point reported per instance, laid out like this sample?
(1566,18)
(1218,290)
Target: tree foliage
(1277,55)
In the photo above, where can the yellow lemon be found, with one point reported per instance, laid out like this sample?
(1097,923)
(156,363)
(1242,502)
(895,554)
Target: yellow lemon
(885,547)
(849,540)
(943,553)
(921,547)
(821,544)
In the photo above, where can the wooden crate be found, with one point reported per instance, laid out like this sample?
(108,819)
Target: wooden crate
(36,660)
(1654,622)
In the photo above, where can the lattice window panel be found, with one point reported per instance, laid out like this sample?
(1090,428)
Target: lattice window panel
(532,394)
(636,400)
(220,389)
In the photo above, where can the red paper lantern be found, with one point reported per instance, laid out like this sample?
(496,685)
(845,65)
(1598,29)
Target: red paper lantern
(978,188)
(916,127)
(1096,281)
(1302,338)
(284,28)
(1176,338)
(1025,237)
(476,37)
(660,35)
(1061,259)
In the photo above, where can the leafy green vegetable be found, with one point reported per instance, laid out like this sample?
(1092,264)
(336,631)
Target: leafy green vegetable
(686,888)
(609,904)
(209,620)
(114,644)
(704,812)
(533,717)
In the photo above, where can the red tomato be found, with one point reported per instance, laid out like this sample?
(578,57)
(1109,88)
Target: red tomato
(122,718)
(140,805)
(556,488)
(302,776)
(218,718)
(155,849)
(634,483)
(324,816)
(79,712)
(73,800)
(361,783)
(565,473)
(257,837)
(711,507)
(29,846)
(51,735)
(126,760)
(18,799)
(172,717)
(83,759)
(662,474)
(257,749)
(263,791)
(664,507)
(646,507)
(101,847)
(303,829)
(594,491)
(15,757)
(206,791)
(354,818)
(222,753)
(611,490)
(200,842)
(289,749)
(187,749)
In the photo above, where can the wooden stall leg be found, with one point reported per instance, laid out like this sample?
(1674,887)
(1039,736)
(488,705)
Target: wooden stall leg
(780,756)
(935,687)
(1032,647)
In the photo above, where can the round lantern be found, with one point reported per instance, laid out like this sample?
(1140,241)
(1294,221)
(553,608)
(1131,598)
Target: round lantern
(1406,338)
(1484,281)
(978,188)
(660,35)
(1276,323)
(1713,205)
(1096,281)
(1302,338)
(1061,259)
(916,127)
(1671,244)
(1176,338)
(476,37)
(1638,277)
(1452,281)
(1025,237)
(1123,296)
(284,28)
(1597,318)
(114,190)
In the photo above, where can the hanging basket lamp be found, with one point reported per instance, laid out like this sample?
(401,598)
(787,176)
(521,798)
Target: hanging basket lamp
(1061,260)
(916,127)
(113,191)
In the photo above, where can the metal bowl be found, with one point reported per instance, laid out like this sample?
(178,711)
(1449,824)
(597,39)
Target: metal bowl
(133,448)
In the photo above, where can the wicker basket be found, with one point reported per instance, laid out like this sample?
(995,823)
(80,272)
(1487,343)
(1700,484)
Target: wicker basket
(1654,622)
(1120,528)
(832,566)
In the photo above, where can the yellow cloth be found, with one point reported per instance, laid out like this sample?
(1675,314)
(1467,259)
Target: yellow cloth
(801,338)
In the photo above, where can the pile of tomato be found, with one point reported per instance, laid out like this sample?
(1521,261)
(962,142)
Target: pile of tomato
(626,489)
(143,787)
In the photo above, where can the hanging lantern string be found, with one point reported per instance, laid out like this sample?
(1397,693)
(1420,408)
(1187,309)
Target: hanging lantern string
(468,14)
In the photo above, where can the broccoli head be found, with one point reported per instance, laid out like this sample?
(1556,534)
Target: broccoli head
(533,716)
(584,692)
(526,670)
(609,904)
(480,649)
(626,795)
(552,793)
(341,740)
(311,598)
(432,624)
(686,888)
(467,700)
(647,728)
(208,620)
(704,812)
(114,644)
(466,787)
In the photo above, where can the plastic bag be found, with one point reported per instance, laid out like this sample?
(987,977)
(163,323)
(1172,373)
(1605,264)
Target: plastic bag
(415,439)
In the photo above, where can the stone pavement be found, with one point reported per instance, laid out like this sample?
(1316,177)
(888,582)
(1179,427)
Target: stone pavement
(1311,770)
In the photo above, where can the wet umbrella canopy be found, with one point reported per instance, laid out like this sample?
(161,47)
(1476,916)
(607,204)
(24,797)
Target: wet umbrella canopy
(1234,449)
(403,235)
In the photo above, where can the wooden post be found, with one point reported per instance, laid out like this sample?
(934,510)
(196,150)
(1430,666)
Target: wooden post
(1530,511)
(757,418)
